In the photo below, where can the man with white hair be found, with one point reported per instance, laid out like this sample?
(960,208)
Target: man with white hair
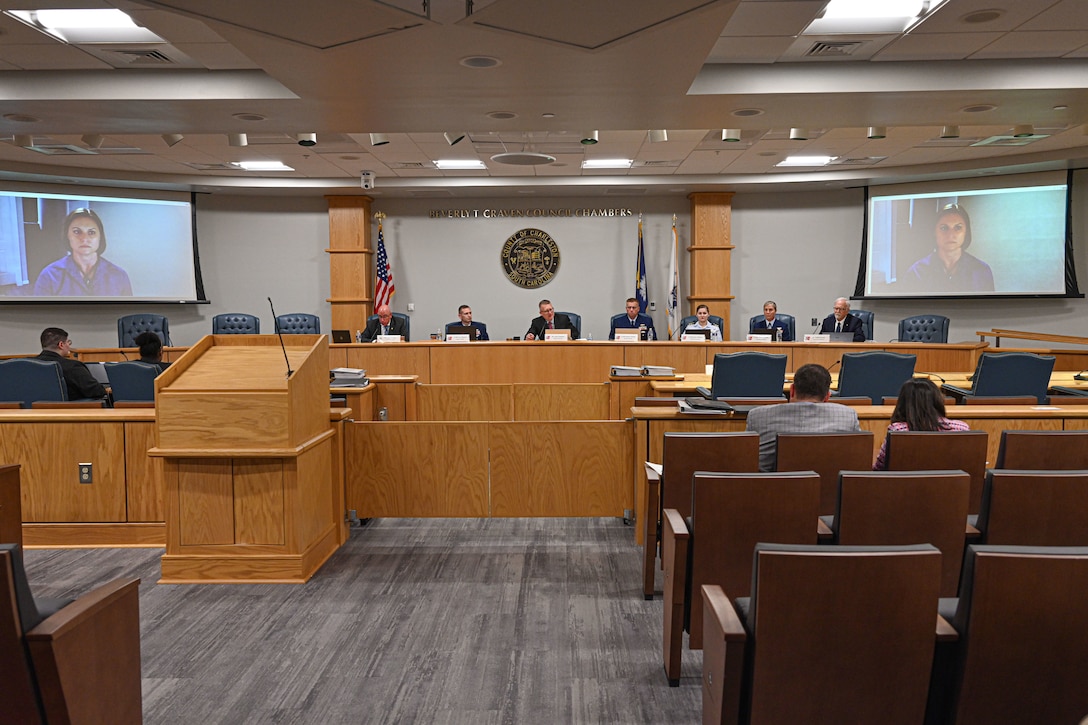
(842,321)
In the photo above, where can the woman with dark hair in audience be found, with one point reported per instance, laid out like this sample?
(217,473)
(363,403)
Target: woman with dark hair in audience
(920,407)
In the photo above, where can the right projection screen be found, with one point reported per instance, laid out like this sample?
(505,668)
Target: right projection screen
(963,240)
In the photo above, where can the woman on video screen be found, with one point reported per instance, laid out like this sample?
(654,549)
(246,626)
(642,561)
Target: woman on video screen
(83,271)
(949,268)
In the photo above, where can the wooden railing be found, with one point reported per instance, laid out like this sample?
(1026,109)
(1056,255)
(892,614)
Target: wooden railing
(1037,336)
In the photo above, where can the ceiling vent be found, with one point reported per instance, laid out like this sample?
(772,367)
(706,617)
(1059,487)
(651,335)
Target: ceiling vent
(1009,140)
(60,149)
(833,48)
(661,164)
(409,165)
(157,55)
(858,161)
(212,167)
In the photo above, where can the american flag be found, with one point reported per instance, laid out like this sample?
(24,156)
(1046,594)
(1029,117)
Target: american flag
(383,285)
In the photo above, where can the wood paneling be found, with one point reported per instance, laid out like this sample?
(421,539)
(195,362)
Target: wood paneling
(258,501)
(520,362)
(570,401)
(145,486)
(681,356)
(11,508)
(351,261)
(710,254)
(561,468)
(50,453)
(464,402)
(317,506)
(417,469)
(397,359)
(205,493)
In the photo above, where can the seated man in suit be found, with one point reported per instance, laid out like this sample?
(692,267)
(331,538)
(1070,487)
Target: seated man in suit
(548,320)
(770,321)
(633,320)
(56,347)
(465,313)
(807,412)
(842,321)
(151,350)
(384,324)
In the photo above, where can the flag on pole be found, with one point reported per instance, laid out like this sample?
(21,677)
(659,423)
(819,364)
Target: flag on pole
(383,284)
(674,285)
(640,272)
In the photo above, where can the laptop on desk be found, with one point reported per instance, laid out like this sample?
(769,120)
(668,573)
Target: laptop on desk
(462,330)
(341,336)
(98,370)
(841,336)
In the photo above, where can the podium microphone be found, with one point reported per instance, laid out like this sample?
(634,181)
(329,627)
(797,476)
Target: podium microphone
(837,362)
(282,346)
(943,381)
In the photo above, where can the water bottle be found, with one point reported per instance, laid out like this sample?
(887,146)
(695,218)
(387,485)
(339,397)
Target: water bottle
(358,336)
(778,334)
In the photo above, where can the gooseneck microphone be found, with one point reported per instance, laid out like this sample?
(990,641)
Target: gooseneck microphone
(1081,375)
(280,333)
(923,372)
(832,365)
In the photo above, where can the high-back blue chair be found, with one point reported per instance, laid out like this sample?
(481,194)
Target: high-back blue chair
(132,381)
(866,318)
(575,319)
(236,323)
(874,374)
(748,374)
(788,320)
(298,323)
(1009,374)
(399,316)
(923,328)
(691,319)
(130,326)
(25,381)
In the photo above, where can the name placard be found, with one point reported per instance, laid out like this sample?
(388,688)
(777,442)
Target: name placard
(556,335)
(818,338)
(759,337)
(389,338)
(627,336)
(458,337)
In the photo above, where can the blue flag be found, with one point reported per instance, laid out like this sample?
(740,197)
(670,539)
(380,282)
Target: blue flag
(640,273)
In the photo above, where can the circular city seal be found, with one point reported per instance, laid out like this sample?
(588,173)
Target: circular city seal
(530,258)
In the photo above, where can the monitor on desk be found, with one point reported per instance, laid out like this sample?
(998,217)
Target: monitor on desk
(705,332)
(341,336)
(841,336)
(98,370)
(462,330)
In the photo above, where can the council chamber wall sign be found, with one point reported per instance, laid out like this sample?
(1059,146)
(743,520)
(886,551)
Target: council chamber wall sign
(530,258)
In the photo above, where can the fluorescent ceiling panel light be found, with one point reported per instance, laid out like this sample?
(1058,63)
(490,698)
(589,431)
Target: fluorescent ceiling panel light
(870,16)
(806,161)
(870,9)
(606,163)
(262,166)
(459,164)
(86,26)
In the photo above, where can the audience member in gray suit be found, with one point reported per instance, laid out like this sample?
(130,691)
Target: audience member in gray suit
(807,412)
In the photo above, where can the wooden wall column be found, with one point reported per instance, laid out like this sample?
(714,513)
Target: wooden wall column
(351,262)
(710,254)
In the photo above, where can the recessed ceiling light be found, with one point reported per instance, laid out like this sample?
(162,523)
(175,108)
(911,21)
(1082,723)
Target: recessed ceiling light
(459,164)
(1060,107)
(249,116)
(480,61)
(262,166)
(547,115)
(748,112)
(523,158)
(978,108)
(806,161)
(606,163)
(982,16)
(502,115)
(20,118)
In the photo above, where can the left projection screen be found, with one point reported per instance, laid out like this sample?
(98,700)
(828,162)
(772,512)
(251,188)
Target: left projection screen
(77,248)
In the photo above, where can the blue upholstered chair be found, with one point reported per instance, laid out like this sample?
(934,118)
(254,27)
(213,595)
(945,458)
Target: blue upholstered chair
(298,323)
(132,381)
(236,323)
(874,374)
(575,318)
(1009,374)
(923,328)
(690,319)
(866,318)
(747,375)
(788,320)
(402,316)
(130,326)
(25,381)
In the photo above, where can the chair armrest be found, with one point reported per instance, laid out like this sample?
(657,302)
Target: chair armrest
(718,612)
(958,393)
(705,392)
(673,523)
(651,529)
(724,644)
(86,657)
(674,557)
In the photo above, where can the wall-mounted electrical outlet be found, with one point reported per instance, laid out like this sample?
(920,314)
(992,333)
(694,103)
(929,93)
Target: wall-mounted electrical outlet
(815,321)
(86,472)
(653,306)
(411,306)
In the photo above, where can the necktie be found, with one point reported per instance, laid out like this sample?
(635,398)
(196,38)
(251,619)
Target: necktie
(838,326)
(385,329)
(551,324)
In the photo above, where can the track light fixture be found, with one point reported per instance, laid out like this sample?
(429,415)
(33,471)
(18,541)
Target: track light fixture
(92,140)
(452,138)
(798,134)
(172,139)
(1024,130)
(24,140)
(378,139)
(731,134)
(590,138)
(306,139)
(237,139)
(950,132)
(877,132)
(658,135)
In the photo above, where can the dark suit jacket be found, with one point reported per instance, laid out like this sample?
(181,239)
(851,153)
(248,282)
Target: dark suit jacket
(481,329)
(397,326)
(623,322)
(81,384)
(849,324)
(778,324)
(562,322)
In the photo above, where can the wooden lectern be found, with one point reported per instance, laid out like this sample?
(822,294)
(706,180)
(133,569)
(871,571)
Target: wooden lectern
(251,494)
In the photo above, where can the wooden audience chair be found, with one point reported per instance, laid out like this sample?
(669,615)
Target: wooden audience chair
(1000,400)
(1023,626)
(1035,508)
(852,400)
(893,399)
(1043,450)
(67,404)
(827,454)
(682,455)
(731,513)
(1069,399)
(830,635)
(11,506)
(943,451)
(68,663)
(899,508)
(657,402)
